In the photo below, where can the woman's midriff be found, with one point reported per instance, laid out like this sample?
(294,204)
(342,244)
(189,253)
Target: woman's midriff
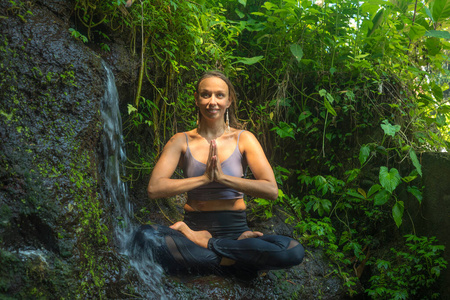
(211,205)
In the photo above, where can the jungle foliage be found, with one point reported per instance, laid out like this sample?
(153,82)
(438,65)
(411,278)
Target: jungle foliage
(344,96)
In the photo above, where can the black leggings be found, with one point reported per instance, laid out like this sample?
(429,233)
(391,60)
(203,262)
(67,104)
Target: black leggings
(175,253)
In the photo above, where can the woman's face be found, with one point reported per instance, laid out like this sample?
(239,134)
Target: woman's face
(212,98)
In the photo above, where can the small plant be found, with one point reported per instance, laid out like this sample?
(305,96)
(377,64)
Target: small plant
(410,273)
(76,34)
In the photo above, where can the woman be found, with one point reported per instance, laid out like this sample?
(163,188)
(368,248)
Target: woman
(214,157)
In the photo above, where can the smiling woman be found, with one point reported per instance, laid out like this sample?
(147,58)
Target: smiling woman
(214,157)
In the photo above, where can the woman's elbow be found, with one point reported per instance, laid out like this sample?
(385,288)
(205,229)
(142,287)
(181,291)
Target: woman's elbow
(273,195)
(152,193)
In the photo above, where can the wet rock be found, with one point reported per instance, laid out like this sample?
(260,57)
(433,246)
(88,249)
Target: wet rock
(51,87)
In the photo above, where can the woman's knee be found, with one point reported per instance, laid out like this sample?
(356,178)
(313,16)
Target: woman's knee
(289,257)
(298,253)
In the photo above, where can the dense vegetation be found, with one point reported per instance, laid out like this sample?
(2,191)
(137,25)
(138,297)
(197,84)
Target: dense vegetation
(343,95)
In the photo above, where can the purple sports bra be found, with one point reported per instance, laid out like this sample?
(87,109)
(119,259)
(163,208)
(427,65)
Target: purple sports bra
(234,165)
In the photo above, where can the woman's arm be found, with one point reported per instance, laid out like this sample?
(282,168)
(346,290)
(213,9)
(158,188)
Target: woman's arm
(264,184)
(161,184)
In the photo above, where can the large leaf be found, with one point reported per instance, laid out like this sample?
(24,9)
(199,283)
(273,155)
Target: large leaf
(373,189)
(381,197)
(243,2)
(433,45)
(329,108)
(364,153)
(389,179)
(438,34)
(297,51)
(440,10)
(400,5)
(327,101)
(415,161)
(390,129)
(416,31)
(416,192)
(397,212)
(249,60)
(305,114)
(376,21)
(437,91)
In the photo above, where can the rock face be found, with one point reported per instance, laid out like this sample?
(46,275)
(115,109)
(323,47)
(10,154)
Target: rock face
(53,222)
(435,219)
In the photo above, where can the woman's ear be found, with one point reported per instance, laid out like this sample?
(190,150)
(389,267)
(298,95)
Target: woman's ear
(196,98)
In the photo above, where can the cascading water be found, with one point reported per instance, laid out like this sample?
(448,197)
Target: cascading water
(115,190)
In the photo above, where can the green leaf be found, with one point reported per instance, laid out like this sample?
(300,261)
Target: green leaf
(433,45)
(364,153)
(440,120)
(297,51)
(354,194)
(376,21)
(397,212)
(389,179)
(373,189)
(409,178)
(440,10)
(329,108)
(416,192)
(400,5)
(437,91)
(131,109)
(305,114)
(249,60)
(381,197)
(390,129)
(415,161)
(284,130)
(438,34)
(243,2)
(262,201)
(416,31)
(239,13)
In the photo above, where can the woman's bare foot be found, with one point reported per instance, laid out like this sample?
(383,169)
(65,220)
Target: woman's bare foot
(201,238)
(250,234)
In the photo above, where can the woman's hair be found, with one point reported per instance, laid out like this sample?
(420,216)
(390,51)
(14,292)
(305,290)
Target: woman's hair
(231,94)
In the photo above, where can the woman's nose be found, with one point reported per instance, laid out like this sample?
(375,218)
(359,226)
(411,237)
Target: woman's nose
(213,99)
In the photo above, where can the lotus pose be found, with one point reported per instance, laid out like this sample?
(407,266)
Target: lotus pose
(214,158)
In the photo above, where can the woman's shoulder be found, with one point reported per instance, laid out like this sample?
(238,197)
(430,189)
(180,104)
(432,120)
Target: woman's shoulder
(178,140)
(247,141)
(245,135)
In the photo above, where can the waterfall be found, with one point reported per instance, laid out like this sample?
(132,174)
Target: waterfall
(115,190)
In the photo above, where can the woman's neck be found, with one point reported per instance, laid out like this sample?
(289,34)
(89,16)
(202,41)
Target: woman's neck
(211,131)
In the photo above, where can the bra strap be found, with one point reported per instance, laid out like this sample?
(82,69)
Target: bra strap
(187,140)
(239,135)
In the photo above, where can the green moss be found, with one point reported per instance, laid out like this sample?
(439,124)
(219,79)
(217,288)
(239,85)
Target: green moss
(92,232)
(52,188)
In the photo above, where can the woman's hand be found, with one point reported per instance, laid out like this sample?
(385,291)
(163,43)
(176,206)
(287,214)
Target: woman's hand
(218,173)
(213,166)
(210,163)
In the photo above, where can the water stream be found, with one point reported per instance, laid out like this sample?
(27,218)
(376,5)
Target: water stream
(115,190)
